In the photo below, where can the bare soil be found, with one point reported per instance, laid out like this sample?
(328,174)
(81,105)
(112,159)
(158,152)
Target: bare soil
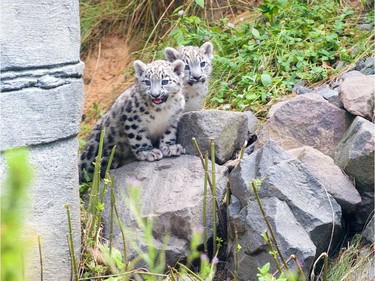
(104,76)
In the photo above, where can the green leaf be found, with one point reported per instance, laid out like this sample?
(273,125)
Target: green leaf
(266,79)
(200,3)
(264,270)
(255,33)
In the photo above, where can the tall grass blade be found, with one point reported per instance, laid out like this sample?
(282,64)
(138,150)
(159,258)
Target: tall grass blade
(214,200)
(71,243)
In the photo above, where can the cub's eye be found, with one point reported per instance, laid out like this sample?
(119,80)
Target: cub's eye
(187,67)
(164,82)
(203,64)
(146,82)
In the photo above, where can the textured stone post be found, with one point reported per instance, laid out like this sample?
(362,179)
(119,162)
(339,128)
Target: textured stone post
(40,107)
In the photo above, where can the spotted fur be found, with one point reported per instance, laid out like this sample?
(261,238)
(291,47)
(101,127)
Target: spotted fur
(198,67)
(142,121)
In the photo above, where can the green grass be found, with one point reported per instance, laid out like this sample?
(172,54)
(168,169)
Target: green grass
(282,42)
(353,263)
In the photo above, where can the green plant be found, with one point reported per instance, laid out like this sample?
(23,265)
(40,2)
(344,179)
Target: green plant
(354,262)
(260,59)
(13,202)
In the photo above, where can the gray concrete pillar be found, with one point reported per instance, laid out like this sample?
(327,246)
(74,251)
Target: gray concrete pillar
(40,107)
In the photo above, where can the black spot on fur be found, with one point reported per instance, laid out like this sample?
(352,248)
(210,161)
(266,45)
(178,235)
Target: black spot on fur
(167,132)
(130,119)
(142,109)
(138,138)
(127,127)
(152,117)
(131,136)
(110,139)
(144,144)
(158,109)
(135,117)
(124,117)
(146,112)
(114,114)
(134,126)
(97,137)
(129,107)
(113,131)
(84,166)
(91,151)
(136,146)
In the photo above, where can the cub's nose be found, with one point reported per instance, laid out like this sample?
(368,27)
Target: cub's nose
(197,78)
(155,95)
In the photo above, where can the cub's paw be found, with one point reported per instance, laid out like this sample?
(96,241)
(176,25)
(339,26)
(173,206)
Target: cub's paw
(150,155)
(173,150)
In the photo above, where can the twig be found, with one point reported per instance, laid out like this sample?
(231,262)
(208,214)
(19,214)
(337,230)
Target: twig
(205,205)
(268,224)
(214,199)
(40,258)
(71,242)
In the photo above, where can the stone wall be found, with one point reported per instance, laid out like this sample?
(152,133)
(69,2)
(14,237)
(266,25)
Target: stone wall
(40,107)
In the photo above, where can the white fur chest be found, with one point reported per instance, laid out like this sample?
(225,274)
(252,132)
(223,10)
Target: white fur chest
(194,96)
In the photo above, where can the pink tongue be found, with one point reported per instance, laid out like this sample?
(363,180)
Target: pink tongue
(157,101)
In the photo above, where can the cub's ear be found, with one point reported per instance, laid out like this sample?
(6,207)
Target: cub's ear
(178,67)
(171,54)
(207,49)
(139,68)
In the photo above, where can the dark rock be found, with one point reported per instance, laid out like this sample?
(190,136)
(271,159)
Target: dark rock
(366,66)
(330,176)
(355,153)
(287,179)
(229,129)
(171,194)
(306,120)
(291,238)
(299,88)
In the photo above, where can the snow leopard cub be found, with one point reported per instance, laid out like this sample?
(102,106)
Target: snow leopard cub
(198,61)
(142,121)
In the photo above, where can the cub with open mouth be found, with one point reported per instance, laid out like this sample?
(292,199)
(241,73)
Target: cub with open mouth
(142,122)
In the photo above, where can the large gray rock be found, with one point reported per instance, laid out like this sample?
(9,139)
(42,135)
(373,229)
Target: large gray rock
(306,120)
(229,129)
(355,153)
(330,176)
(172,195)
(290,235)
(287,179)
(357,95)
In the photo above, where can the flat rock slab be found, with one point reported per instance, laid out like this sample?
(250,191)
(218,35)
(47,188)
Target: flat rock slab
(306,120)
(171,193)
(357,95)
(287,179)
(229,129)
(330,176)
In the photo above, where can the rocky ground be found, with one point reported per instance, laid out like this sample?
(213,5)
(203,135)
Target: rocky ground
(314,155)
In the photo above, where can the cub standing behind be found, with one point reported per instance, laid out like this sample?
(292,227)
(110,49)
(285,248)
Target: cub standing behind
(198,61)
(142,121)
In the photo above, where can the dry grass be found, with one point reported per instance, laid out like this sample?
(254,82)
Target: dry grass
(354,263)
